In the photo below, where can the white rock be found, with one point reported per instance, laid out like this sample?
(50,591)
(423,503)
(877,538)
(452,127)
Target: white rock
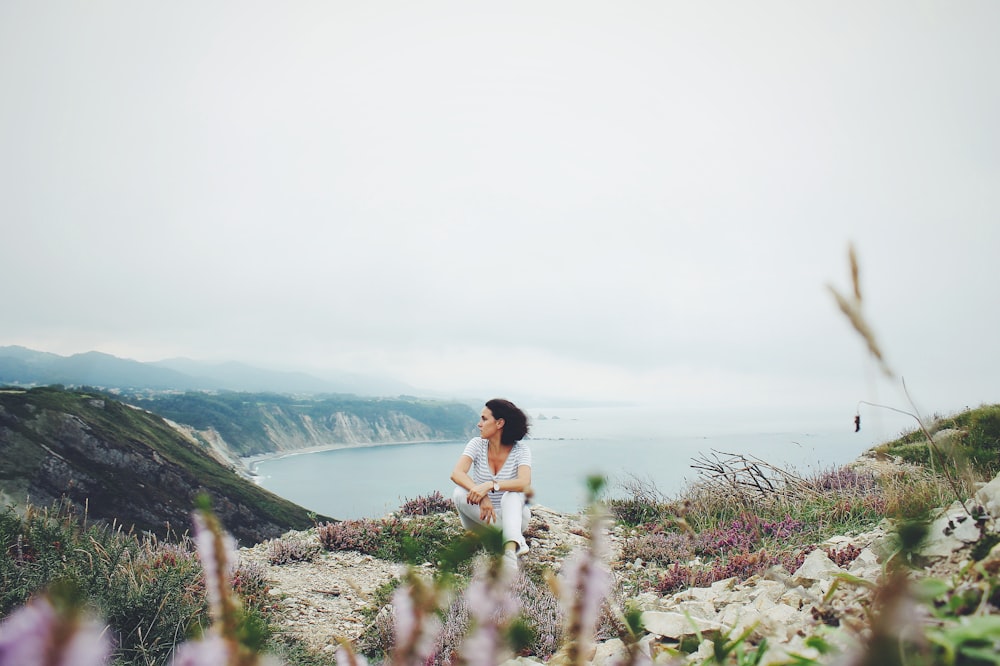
(676,625)
(724,584)
(771,589)
(950,532)
(797,596)
(763,603)
(739,617)
(817,566)
(781,622)
(989,497)
(608,651)
(704,610)
(694,594)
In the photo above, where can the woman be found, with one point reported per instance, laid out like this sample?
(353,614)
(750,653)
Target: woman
(493,475)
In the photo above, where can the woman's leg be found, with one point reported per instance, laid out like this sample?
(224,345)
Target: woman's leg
(514,519)
(467,513)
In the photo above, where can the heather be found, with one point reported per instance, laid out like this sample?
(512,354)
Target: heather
(396,538)
(744,516)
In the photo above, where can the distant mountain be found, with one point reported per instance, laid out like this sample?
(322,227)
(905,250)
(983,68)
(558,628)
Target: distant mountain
(26,367)
(234,376)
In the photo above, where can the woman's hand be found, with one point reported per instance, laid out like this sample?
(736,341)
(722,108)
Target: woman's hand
(478,493)
(487,513)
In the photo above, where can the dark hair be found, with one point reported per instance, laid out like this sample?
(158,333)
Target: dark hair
(515,422)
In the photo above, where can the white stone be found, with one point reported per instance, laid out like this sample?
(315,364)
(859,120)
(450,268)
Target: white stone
(738,618)
(676,625)
(817,566)
(704,610)
(797,596)
(695,594)
(706,651)
(763,603)
(608,651)
(989,497)
(724,584)
(781,622)
(950,532)
(771,589)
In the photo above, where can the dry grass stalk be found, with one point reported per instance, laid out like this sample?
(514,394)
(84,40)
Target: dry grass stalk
(746,475)
(851,307)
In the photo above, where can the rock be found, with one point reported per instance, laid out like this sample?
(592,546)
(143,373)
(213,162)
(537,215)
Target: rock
(739,617)
(608,651)
(781,623)
(817,566)
(951,532)
(703,610)
(989,497)
(677,625)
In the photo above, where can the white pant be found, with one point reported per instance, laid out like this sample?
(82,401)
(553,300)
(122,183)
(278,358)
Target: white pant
(513,516)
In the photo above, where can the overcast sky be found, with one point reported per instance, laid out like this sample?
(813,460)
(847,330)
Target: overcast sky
(614,200)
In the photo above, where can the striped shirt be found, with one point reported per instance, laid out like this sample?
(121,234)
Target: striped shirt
(478,450)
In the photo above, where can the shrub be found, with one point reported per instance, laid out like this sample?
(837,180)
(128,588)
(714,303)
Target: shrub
(426,505)
(287,550)
(662,547)
(394,538)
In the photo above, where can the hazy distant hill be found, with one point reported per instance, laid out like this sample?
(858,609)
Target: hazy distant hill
(26,367)
(122,463)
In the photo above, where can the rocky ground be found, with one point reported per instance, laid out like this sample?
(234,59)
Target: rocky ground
(321,601)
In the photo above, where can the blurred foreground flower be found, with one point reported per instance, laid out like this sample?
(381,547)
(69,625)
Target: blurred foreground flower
(584,586)
(53,630)
(230,641)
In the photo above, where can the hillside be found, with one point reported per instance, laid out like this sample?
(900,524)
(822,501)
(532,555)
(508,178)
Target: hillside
(117,462)
(256,423)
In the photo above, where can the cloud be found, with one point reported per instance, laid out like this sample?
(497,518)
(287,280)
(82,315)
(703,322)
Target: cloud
(628,202)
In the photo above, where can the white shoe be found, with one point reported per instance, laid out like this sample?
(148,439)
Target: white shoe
(510,560)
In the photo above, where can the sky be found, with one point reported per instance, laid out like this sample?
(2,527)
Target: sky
(627,201)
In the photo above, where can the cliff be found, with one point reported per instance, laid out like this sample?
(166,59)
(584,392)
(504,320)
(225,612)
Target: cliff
(119,463)
(246,424)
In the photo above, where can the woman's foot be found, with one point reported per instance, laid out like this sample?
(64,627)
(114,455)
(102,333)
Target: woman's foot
(510,560)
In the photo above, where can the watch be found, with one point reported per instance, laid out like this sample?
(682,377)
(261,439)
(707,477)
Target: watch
(496,486)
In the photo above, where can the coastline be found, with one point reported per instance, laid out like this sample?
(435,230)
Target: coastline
(250,463)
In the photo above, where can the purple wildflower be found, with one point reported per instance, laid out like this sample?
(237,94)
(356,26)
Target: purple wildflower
(217,551)
(39,634)
(345,656)
(210,650)
(586,584)
(491,606)
(415,627)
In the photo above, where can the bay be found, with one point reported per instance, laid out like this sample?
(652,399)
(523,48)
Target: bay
(569,445)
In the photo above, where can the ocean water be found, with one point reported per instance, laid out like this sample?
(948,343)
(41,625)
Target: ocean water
(567,446)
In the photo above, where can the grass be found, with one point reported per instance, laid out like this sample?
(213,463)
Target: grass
(744,516)
(149,590)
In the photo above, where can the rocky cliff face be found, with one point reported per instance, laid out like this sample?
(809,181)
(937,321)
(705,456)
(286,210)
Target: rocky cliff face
(124,464)
(345,428)
(248,424)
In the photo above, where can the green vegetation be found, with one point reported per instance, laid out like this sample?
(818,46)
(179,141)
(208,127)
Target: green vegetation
(974,448)
(149,590)
(126,464)
(743,517)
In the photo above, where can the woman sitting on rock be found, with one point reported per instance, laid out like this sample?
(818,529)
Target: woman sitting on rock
(493,476)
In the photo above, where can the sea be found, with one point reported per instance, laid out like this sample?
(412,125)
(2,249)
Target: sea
(625,445)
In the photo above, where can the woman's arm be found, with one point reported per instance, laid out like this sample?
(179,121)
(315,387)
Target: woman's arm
(519,484)
(460,475)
